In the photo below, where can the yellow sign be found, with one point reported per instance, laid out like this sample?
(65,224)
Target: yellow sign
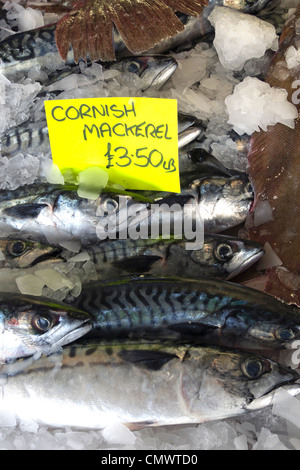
(134,139)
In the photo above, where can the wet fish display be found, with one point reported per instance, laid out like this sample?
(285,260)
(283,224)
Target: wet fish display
(31,326)
(207,310)
(161,385)
(22,51)
(106,300)
(274,171)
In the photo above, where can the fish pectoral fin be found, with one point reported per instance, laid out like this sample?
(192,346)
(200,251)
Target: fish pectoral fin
(207,162)
(137,264)
(152,360)
(24,211)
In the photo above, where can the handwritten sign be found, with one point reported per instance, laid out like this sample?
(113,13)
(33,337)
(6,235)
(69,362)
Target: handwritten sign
(134,139)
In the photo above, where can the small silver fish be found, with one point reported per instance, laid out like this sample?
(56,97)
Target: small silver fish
(142,385)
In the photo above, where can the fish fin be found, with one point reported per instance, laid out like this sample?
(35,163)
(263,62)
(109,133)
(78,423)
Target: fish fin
(23,211)
(207,162)
(140,425)
(137,264)
(152,360)
(140,28)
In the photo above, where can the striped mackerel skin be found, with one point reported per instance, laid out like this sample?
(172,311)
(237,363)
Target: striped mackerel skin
(203,307)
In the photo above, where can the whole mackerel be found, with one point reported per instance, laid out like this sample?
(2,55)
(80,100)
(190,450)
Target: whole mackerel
(142,385)
(57,211)
(205,310)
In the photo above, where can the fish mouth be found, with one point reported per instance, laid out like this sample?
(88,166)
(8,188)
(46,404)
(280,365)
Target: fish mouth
(165,73)
(53,256)
(55,340)
(292,387)
(247,263)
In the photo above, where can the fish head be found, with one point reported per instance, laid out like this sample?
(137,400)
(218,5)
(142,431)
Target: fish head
(225,201)
(154,71)
(29,326)
(271,326)
(229,255)
(230,383)
(22,253)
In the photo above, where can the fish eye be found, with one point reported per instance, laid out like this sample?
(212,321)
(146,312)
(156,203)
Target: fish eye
(249,188)
(284,334)
(223,252)
(110,206)
(16,248)
(134,67)
(41,323)
(252,368)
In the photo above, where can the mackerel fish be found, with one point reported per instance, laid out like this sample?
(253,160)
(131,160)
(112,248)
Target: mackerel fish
(160,385)
(205,310)
(57,210)
(30,326)
(220,256)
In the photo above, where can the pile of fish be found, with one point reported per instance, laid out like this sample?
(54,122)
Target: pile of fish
(159,334)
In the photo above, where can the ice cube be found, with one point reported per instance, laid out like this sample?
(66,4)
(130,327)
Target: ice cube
(254,105)
(117,433)
(240,37)
(54,279)
(91,181)
(30,284)
(52,173)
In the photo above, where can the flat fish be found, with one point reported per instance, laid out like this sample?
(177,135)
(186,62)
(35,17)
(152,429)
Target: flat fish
(274,170)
